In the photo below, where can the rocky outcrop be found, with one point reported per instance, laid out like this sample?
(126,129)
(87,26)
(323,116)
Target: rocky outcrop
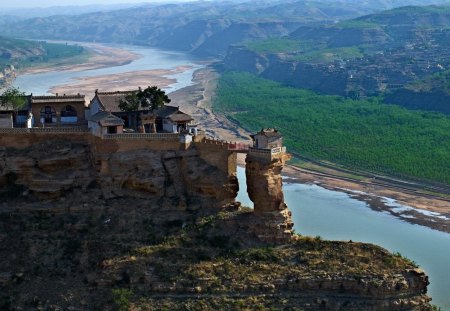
(272,222)
(180,179)
(46,169)
(91,254)
(158,229)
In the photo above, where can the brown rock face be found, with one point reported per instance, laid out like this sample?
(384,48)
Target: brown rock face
(179,179)
(265,185)
(47,169)
(265,189)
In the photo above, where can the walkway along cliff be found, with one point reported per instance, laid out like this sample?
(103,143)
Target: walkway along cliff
(153,216)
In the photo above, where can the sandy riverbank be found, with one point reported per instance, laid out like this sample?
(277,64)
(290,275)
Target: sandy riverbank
(428,210)
(100,56)
(119,82)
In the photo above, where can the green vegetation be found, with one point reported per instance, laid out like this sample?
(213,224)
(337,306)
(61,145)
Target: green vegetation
(437,81)
(363,134)
(150,98)
(328,55)
(121,298)
(275,45)
(13,98)
(358,24)
(23,53)
(303,50)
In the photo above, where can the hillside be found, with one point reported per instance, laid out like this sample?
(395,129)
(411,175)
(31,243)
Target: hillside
(203,28)
(361,134)
(16,54)
(382,53)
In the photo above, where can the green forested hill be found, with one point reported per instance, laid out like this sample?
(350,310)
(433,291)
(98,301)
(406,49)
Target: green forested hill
(22,53)
(389,53)
(364,134)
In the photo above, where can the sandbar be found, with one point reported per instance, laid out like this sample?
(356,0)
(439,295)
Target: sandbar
(100,56)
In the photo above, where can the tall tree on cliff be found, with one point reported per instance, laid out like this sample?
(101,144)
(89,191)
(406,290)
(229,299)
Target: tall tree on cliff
(148,99)
(13,99)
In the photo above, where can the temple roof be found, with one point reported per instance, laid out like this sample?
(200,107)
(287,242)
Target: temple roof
(180,117)
(57,99)
(271,133)
(106,118)
(110,100)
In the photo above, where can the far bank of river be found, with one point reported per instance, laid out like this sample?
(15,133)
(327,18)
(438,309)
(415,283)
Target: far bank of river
(169,70)
(316,211)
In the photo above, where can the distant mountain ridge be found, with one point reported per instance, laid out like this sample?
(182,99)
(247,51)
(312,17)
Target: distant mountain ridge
(381,53)
(202,28)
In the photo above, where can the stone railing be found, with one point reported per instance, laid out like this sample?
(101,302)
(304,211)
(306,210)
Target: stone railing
(239,147)
(267,154)
(211,141)
(152,136)
(44,130)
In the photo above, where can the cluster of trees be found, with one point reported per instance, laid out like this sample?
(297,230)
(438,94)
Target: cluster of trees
(363,134)
(150,98)
(13,99)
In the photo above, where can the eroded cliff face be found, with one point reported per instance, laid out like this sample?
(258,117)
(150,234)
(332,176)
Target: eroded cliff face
(160,229)
(178,179)
(273,221)
(46,169)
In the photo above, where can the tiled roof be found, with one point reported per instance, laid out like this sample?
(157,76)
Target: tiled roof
(166,111)
(272,134)
(110,100)
(106,118)
(57,99)
(180,117)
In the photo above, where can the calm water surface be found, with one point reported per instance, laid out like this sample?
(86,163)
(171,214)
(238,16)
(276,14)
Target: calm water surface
(40,84)
(316,211)
(335,216)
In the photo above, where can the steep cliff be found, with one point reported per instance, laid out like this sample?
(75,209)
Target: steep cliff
(47,169)
(118,225)
(179,179)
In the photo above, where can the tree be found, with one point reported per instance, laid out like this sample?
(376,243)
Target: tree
(13,98)
(153,97)
(129,103)
(150,98)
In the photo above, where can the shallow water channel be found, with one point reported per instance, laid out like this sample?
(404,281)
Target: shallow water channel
(40,84)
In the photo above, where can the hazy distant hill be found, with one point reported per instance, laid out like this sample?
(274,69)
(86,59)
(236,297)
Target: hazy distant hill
(16,53)
(204,28)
